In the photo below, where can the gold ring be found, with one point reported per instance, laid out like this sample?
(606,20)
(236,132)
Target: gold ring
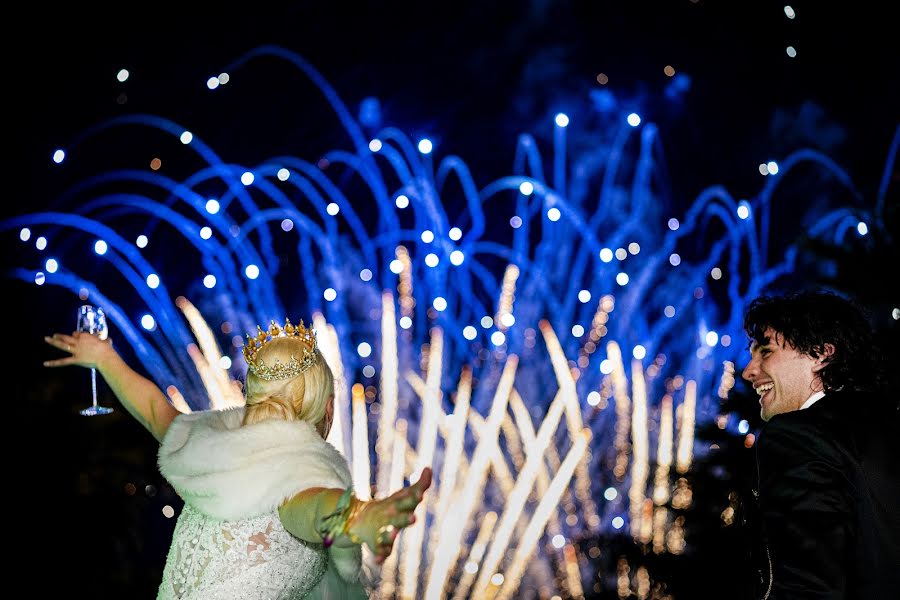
(386,532)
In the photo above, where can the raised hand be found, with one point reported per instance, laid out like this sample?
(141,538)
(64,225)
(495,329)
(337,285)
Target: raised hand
(85,349)
(380,521)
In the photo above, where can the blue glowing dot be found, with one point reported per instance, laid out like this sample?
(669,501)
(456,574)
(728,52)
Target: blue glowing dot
(364,349)
(712,338)
(205,233)
(455,233)
(212,206)
(40,243)
(674,259)
(25,234)
(497,338)
(606,255)
(148,322)
(553,214)
(515,222)
(186,137)
(329,294)
(562,119)
(617,522)
(375,145)
(141,241)
(469,332)
(639,352)
(673,224)
(40,278)
(743,426)
(100,247)
(370,112)
(283,174)
(862,228)
(622,278)
(59,156)
(526,188)
(287,225)
(425,146)
(610,493)
(772,167)
(212,83)
(332,208)
(457,257)
(606,366)
(122,75)
(634,119)
(402,201)
(251,271)
(152,281)
(439,304)
(209,281)
(365,275)
(223,79)
(405,322)
(743,209)
(247,178)
(431,259)
(51,265)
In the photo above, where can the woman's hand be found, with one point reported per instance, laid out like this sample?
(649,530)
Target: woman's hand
(86,350)
(380,521)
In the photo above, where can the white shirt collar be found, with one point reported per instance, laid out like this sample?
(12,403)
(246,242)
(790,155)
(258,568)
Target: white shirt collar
(812,400)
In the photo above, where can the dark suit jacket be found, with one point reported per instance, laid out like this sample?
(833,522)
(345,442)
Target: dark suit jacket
(829,499)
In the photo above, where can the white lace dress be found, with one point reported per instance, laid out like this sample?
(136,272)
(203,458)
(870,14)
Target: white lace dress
(239,560)
(229,542)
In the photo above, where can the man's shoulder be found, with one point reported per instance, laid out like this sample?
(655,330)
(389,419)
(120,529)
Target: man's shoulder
(799,433)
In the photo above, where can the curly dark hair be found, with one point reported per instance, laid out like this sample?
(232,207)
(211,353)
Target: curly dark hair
(811,319)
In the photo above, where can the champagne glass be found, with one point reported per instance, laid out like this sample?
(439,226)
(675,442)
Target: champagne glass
(93,321)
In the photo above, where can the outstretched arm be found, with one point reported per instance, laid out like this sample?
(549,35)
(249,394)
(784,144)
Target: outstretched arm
(140,396)
(375,524)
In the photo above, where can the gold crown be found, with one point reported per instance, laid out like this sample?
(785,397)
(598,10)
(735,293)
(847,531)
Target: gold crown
(279,370)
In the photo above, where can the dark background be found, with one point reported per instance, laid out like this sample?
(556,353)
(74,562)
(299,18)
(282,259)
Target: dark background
(472,75)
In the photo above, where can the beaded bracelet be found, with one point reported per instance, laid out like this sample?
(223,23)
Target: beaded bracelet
(338,522)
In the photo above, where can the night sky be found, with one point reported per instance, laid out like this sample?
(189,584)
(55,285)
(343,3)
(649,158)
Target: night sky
(470,75)
(479,71)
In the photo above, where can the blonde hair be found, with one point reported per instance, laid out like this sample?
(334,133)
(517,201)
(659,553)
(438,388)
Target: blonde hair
(301,398)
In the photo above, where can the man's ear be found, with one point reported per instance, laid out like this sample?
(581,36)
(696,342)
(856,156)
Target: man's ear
(822,359)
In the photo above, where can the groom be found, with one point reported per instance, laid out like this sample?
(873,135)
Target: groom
(829,454)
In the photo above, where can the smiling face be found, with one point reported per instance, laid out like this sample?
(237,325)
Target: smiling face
(783,377)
